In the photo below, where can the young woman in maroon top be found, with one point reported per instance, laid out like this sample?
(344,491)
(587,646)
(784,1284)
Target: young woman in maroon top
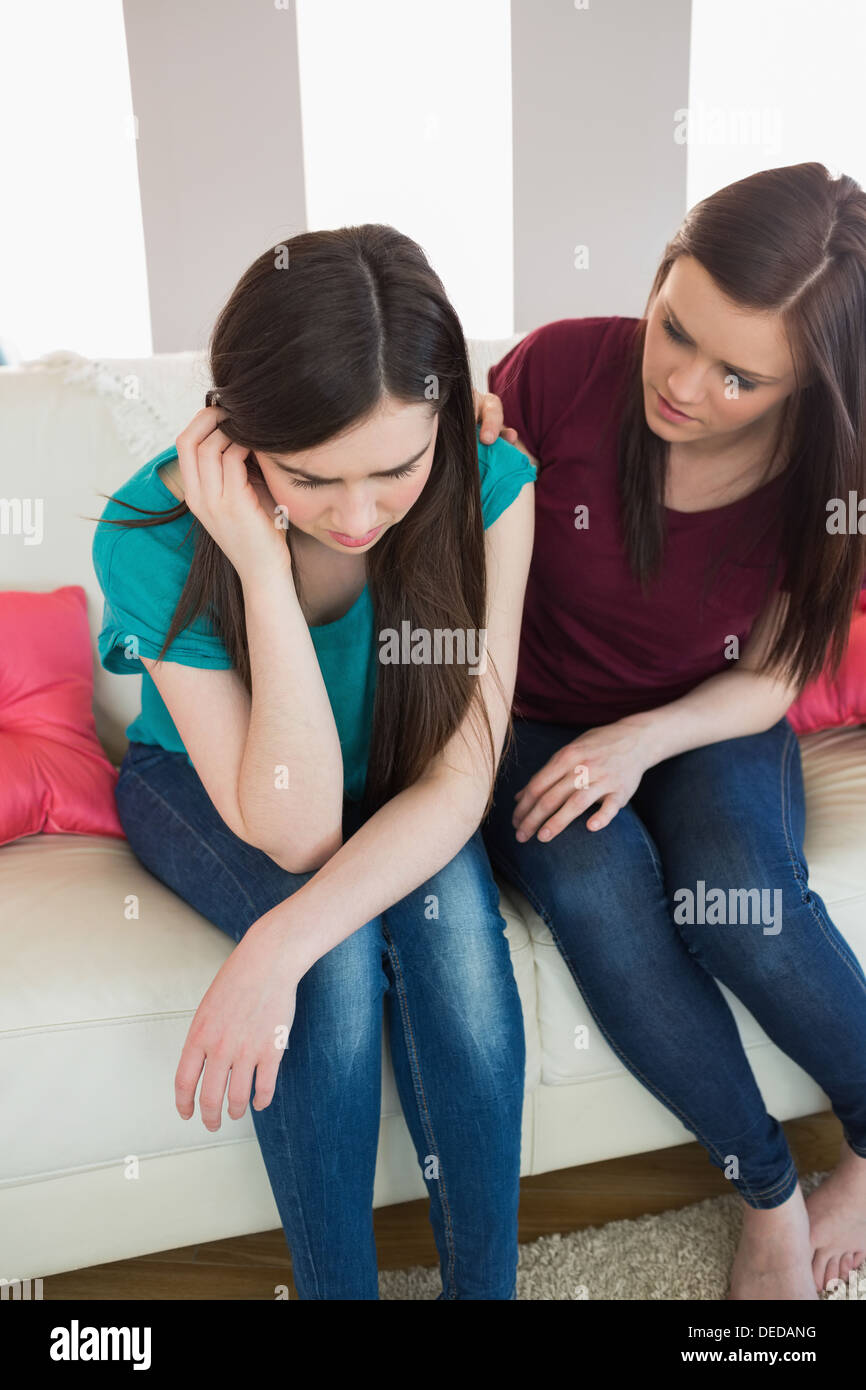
(684,586)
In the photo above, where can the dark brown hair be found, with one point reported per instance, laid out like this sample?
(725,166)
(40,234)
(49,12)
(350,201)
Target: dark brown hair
(792,241)
(313,337)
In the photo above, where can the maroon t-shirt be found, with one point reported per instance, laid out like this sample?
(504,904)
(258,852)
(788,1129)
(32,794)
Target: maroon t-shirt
(593,647)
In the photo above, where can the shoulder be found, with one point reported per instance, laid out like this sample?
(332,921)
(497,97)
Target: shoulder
(542,378)
(142,566)
(560,346)
(504,471)
(142,571)
(134,500)
(147,487)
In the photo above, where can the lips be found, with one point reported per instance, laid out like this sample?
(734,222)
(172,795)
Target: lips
(355,541)
(674,410)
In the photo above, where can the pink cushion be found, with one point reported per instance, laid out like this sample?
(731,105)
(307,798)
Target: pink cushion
(54,775)
(834,704)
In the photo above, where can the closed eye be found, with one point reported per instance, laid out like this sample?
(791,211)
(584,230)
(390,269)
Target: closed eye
(401,473)
(678,338)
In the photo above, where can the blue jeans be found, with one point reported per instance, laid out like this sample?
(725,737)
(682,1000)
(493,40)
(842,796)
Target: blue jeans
(440,960)
(730,815)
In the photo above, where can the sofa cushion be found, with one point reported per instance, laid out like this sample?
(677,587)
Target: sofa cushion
(104,968)
(834,702)
(54,775)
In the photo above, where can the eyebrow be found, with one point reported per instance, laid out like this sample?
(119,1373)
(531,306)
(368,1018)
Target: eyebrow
(738,371)
(314,477)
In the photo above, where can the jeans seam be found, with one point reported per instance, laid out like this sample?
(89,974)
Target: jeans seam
(652,854)
(808,898)
(421,1099)
(292,1169)
(524,887)
(785,811)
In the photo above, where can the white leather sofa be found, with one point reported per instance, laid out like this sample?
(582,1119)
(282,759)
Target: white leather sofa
(95,1163)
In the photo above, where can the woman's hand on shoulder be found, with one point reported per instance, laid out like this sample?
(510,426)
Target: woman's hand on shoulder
(229,496)
(489,415)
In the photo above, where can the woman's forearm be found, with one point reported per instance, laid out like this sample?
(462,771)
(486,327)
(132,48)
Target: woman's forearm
(731,705)
(291,779)
(404,844)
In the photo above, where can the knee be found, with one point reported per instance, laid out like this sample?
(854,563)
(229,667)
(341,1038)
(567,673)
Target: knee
(491,1058)
(739,929)
(734,885)
(343,989)
(728,844)
(464,889)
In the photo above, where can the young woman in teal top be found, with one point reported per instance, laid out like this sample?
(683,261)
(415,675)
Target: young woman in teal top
(323,588)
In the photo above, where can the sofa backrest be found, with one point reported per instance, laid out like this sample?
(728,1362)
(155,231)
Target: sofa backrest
(72,430)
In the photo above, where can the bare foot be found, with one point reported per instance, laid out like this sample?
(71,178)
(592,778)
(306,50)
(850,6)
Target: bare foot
(837,1218)
(774,1256)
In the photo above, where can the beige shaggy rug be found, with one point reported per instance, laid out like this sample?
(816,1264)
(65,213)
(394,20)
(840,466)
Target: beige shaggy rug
(684,1254)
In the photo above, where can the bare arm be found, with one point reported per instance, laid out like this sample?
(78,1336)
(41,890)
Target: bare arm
(744,700)
(238,745)
(291,774)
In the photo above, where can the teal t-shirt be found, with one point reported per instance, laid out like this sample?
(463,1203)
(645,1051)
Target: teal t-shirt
(142,571)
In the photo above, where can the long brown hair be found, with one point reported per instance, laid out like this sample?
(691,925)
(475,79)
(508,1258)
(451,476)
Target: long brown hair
(793,241)
(316,332)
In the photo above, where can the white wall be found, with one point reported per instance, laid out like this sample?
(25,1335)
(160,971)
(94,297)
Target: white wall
(150,149)
(775,82)
(406,110)
(72,259)
(215,91)
(596,165)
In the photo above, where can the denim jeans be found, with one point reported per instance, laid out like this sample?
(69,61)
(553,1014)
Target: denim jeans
(729,816)
(438,962)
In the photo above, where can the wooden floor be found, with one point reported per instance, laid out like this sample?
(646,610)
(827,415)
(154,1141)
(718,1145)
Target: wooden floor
(248,1267)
